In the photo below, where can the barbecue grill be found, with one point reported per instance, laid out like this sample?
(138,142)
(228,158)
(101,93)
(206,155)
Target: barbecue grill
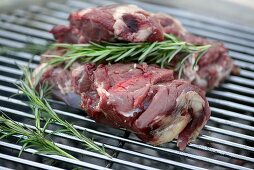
(226,142)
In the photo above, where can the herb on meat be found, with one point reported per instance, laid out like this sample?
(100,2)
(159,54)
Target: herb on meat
(161,53)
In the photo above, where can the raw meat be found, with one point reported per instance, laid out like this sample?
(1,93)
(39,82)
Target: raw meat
(132,24)
(141,98)
(214,66)
(109,23)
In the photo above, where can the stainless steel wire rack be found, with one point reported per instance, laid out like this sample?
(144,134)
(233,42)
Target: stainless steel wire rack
(226,142)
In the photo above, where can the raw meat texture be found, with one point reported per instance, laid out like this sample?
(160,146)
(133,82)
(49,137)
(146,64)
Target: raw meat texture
(141,98)
(60,80)
(213,67)
(132,24)
(109,23)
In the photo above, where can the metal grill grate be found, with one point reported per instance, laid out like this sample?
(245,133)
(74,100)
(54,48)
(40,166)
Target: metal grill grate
(226,142)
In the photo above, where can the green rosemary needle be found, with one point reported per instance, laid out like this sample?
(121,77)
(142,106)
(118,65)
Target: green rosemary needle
(161,53)
(29,48)
(39,104)
(30,138)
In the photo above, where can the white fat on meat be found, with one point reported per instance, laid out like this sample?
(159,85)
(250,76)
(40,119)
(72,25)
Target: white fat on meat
(143,34)
(41,69)
(131,113)
(101,90)
(85,11)
(222,73)
(171,131)
(120,26)
(135,65)
(176,124)
(191,100)
(67,88)
(191,73)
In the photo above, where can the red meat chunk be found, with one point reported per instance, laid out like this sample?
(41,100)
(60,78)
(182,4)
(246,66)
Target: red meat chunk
(144,99)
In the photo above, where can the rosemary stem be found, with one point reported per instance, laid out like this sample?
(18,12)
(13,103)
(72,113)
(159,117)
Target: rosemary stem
(29,136)
(38,101)
(64,153)
(126,52)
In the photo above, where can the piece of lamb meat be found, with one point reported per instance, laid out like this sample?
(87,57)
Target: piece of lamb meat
(132,24)
(109,23)
(60,81)
(213,67)
(141,98)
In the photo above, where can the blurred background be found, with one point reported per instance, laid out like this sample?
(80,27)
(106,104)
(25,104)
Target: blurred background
(238,11)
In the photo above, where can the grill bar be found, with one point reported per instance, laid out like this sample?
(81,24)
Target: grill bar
(229,133)
(26,21)
(41,17)
(27,162)
(235,87)
(189,15)
(150,157)
(226,142)
(20,37)
(84,152)
(202,147)
(232,114)
(17,62)
(81,151)
(241,80)
(120,145)
(33,151)
(241,56)
(31,116)
(4,168)
(233,96)
(221,37)
(25,30)
(217,29)
(232,123)
(10,43)
(232,104)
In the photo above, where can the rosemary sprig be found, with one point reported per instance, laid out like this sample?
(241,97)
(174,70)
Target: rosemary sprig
(30,48)
(39,104)
(161,53)
(30,138)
